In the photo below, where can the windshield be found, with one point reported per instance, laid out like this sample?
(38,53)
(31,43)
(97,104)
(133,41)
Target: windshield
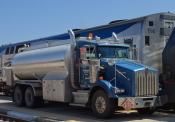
(113,52)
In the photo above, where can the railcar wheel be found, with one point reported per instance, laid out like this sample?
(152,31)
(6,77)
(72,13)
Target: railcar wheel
(101,105)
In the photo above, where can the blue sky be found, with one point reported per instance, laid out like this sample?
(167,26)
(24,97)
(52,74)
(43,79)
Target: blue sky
(22,20)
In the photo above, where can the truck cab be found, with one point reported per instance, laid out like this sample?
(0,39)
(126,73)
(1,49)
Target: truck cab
(98,53)
(113,79)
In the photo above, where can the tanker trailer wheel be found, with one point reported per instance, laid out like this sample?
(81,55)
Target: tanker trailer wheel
(147,111)
(29,97)
(101,105)
(18,96)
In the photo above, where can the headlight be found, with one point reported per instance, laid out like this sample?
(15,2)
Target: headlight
(160,89)
(118,90)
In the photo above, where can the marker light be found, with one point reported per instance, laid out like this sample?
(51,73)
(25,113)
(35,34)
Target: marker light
(90,36)
(82,50)
(100,78)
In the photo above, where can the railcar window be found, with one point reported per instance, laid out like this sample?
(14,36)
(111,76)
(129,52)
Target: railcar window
(147,40)
(169,24)
(151,23)
(11,50)
(21,48)
(7,51)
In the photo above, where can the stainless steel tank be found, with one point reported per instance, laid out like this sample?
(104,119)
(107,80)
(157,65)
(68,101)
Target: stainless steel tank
(40,63)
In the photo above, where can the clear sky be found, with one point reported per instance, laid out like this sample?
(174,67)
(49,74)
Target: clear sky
(22,20)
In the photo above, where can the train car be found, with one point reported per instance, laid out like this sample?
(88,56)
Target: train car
(148,34)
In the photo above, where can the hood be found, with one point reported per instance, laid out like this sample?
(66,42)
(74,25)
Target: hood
(125,75)
(133,65)
(128,64)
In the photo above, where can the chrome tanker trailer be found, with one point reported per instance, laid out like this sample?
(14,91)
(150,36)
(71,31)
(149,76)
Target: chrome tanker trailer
(85,72)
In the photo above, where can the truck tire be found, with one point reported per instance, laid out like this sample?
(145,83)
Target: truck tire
(18,96)
(146,111)
(101,105)
(30,97)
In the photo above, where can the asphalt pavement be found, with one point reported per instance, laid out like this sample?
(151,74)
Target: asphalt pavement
(64,112)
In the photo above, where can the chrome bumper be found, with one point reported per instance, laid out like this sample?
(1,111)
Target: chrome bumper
(137,102)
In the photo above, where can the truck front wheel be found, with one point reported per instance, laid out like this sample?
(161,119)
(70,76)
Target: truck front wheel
(101,105)
(18,96)
(29,97)
(147,111)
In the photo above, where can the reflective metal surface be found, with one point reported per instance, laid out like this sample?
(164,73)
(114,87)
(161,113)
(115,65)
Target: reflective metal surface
(146,83)
(138,102)
(36,64)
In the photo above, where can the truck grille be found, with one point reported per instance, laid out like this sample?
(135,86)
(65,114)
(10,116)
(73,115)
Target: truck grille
(146,83)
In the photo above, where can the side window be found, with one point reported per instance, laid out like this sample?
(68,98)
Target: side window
(87,52)
(7,51)
(147,41)
(11,50)
(90,52)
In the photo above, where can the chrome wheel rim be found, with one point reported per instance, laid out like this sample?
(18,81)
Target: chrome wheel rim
(100,104)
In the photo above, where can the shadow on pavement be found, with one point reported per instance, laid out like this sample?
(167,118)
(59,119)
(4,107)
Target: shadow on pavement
(84,113)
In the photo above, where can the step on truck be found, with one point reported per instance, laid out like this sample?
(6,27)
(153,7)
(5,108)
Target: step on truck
(85,71)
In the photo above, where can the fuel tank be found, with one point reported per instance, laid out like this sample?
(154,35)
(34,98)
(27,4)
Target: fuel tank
(39,63)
